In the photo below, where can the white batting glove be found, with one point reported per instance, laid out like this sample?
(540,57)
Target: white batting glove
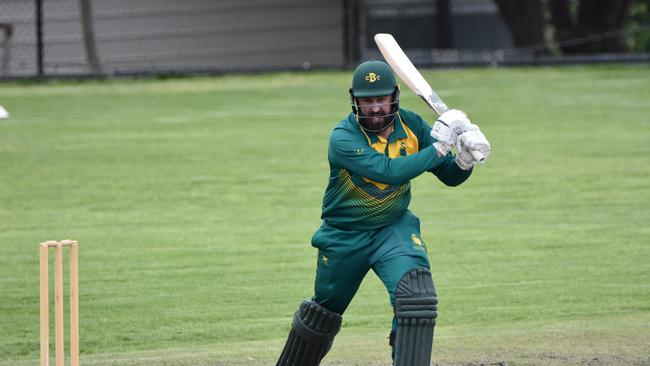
(473,147)
(448,127)
(465,160)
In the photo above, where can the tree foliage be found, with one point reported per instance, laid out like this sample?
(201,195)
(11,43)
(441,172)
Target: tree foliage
(578,26)
(640,26)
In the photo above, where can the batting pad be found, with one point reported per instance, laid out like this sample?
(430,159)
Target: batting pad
(416,309)
(311,336)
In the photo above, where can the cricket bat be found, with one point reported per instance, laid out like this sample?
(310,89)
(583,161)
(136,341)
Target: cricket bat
(407,72)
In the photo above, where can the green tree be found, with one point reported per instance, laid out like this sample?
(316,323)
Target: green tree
(579,26)
(640,26)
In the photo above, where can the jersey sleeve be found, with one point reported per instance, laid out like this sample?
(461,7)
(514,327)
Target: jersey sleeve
(351,151)
(450,173)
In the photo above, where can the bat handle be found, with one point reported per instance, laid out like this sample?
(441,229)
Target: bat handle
(478,156)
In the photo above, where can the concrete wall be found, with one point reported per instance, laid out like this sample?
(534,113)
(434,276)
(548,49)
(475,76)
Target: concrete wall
(476,24)
(479,35)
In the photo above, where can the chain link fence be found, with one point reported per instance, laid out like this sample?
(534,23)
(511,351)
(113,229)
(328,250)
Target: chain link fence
(163,36)
(18,46)
(128,37)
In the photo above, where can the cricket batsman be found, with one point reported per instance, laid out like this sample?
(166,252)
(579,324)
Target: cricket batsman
(366,224)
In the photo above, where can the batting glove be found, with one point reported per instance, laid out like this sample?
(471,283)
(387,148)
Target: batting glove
(472,146)
(448,127)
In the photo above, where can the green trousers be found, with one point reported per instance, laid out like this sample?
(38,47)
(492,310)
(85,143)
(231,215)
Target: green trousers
(345,257)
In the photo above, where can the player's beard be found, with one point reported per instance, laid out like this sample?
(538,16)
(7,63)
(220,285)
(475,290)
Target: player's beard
(376,122)
(379,122)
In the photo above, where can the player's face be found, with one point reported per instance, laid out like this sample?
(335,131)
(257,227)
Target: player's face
(376,109)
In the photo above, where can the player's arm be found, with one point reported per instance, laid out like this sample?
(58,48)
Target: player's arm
(352,152)
(450,173)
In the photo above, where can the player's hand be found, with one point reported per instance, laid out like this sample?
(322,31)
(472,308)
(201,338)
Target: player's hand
(473,147)
(448,127)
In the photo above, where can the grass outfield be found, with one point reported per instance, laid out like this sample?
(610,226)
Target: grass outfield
(194,201)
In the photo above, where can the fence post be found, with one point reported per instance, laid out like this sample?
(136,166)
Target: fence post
(350,32)
(5,46)
(39,38)
(86,11)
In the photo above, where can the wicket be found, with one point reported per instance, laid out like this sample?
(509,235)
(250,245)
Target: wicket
(58,302)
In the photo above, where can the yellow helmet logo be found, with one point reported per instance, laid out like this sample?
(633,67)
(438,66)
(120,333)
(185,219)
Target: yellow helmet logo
(372,77)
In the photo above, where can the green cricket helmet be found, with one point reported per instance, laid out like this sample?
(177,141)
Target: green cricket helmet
(374,79)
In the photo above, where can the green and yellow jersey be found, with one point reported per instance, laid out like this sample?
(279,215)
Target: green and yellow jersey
(369,185)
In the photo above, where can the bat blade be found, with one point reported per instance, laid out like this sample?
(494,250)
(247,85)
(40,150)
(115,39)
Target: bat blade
(407,72)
